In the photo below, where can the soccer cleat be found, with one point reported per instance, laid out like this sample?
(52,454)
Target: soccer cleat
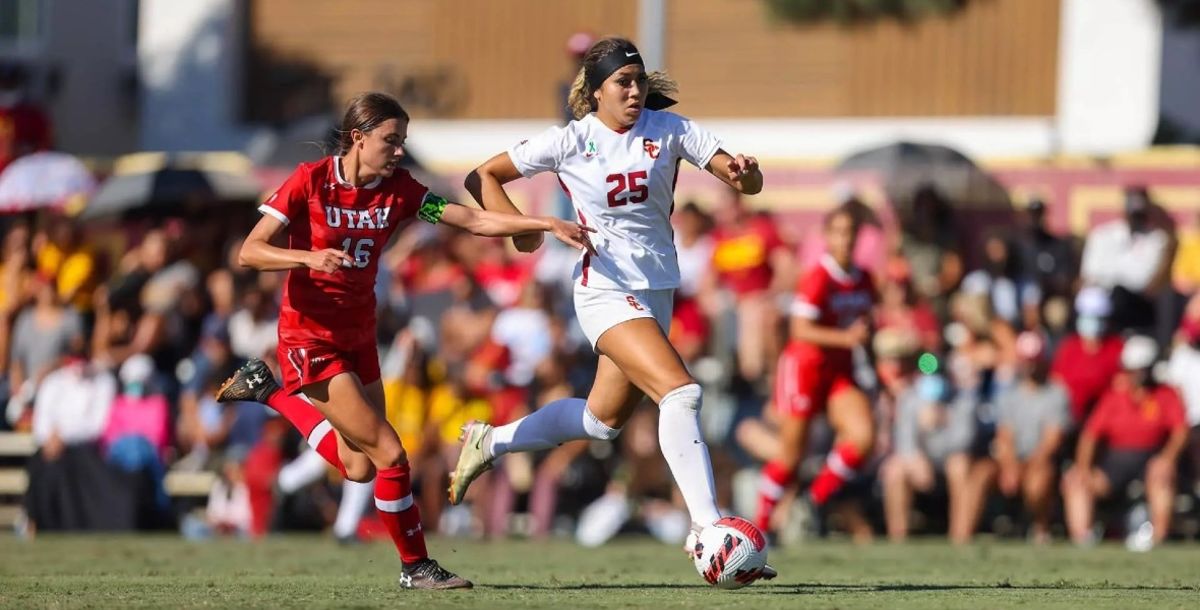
(471,461)
(251,383)
(427,574)
(768,573)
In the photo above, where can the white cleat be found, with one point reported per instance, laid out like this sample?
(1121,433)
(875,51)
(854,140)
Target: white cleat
(471,461)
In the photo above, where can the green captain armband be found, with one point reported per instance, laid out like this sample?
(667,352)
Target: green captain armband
(432,207)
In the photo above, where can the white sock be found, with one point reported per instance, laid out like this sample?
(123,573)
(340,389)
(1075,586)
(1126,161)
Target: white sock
(686,453)
(355,497)
(563,420)
(308,468)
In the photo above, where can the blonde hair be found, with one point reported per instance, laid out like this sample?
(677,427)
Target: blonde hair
(580,100)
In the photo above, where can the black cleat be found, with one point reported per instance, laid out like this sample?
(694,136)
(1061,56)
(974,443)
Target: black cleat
(768,573)
(251,383)
(427,574)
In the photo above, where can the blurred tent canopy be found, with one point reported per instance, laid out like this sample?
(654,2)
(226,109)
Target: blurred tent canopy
(177,184)
(45,180)
(906,167)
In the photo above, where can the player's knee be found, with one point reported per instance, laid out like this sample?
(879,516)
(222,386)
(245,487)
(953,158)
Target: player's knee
(361,472)
(685,396)
(1159,474)
(389,455)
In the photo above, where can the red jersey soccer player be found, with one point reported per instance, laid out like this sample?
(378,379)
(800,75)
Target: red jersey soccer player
(339,214)
(816,370)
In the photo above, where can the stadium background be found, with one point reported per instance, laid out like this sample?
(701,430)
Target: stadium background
(1068,102)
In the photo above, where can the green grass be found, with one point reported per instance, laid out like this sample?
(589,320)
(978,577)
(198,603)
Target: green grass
(309,572)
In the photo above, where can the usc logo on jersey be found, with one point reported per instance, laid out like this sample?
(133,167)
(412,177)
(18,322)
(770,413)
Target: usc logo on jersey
(650,147)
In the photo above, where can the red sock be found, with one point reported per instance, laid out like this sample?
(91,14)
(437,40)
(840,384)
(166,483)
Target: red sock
(841,466)
(394,503)
(309,421)
(775,479)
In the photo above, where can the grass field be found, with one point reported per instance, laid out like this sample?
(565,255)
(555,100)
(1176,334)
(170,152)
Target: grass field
(309,572)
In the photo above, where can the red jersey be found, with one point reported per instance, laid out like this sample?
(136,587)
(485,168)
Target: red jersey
(831,296)
(742,255)
(323,210)
(1129,425)
(1086,375)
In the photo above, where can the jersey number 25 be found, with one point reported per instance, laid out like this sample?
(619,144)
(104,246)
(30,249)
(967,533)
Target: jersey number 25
(627,188)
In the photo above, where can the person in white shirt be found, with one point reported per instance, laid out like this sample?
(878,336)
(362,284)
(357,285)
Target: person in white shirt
(1131,257)
(618,162)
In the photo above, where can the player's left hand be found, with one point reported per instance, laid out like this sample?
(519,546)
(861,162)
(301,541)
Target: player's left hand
(573,234)
(741,166)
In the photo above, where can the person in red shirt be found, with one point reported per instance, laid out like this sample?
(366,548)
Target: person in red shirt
(24,127)
(1142,428)
(752,261)
(339,213)
(1087,359)
(829,320)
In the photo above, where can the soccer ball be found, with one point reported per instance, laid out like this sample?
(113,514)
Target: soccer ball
(730,553)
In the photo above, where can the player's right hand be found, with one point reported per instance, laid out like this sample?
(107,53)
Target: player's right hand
(528,242)
(573,234)
(328,260)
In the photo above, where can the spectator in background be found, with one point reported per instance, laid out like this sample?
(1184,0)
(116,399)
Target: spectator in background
(62,255)
(694,246)
(900,308)
(931,438)
(1183,371)
(754,263)
(1045,257)
(1088,359)
(1185,271)
(1130,256)
(135,438)
(1140,426)
(930,245)
(1014,297)
(14,275)
(24,127)
(251,328)
(42,336)
(70,486)
(1032,420)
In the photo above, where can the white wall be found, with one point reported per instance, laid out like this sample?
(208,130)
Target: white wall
(1108,78)
(190,56)
(454,144)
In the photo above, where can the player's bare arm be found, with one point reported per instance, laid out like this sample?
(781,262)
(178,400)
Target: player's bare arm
(495,224)
(808,331)
(740,172)
(486,186)
(258,253)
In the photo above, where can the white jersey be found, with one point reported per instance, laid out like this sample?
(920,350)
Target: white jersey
(623,185)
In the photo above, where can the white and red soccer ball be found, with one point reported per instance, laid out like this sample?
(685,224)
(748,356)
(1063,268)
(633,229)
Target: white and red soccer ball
(730,553)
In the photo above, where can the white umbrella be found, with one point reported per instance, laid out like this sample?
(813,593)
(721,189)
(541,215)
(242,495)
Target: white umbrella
(44,180)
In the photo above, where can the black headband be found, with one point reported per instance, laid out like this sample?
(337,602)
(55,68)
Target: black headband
(624,54)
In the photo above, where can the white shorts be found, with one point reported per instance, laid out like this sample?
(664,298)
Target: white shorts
(599,310)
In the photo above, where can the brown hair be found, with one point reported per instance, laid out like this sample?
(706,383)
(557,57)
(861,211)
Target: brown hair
(366,112)
(580,100)
(848,210)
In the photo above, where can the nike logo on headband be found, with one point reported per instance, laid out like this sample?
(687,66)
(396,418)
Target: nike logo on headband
(628,54)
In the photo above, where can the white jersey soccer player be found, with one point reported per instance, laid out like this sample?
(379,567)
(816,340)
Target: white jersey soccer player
(618,162)
(622,184)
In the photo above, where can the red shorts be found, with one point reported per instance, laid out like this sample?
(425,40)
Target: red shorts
(313,361)
(803,386)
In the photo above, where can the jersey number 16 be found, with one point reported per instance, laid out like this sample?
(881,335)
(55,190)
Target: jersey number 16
(627,188)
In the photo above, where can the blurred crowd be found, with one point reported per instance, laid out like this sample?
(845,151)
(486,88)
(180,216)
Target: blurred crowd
(1027,383)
